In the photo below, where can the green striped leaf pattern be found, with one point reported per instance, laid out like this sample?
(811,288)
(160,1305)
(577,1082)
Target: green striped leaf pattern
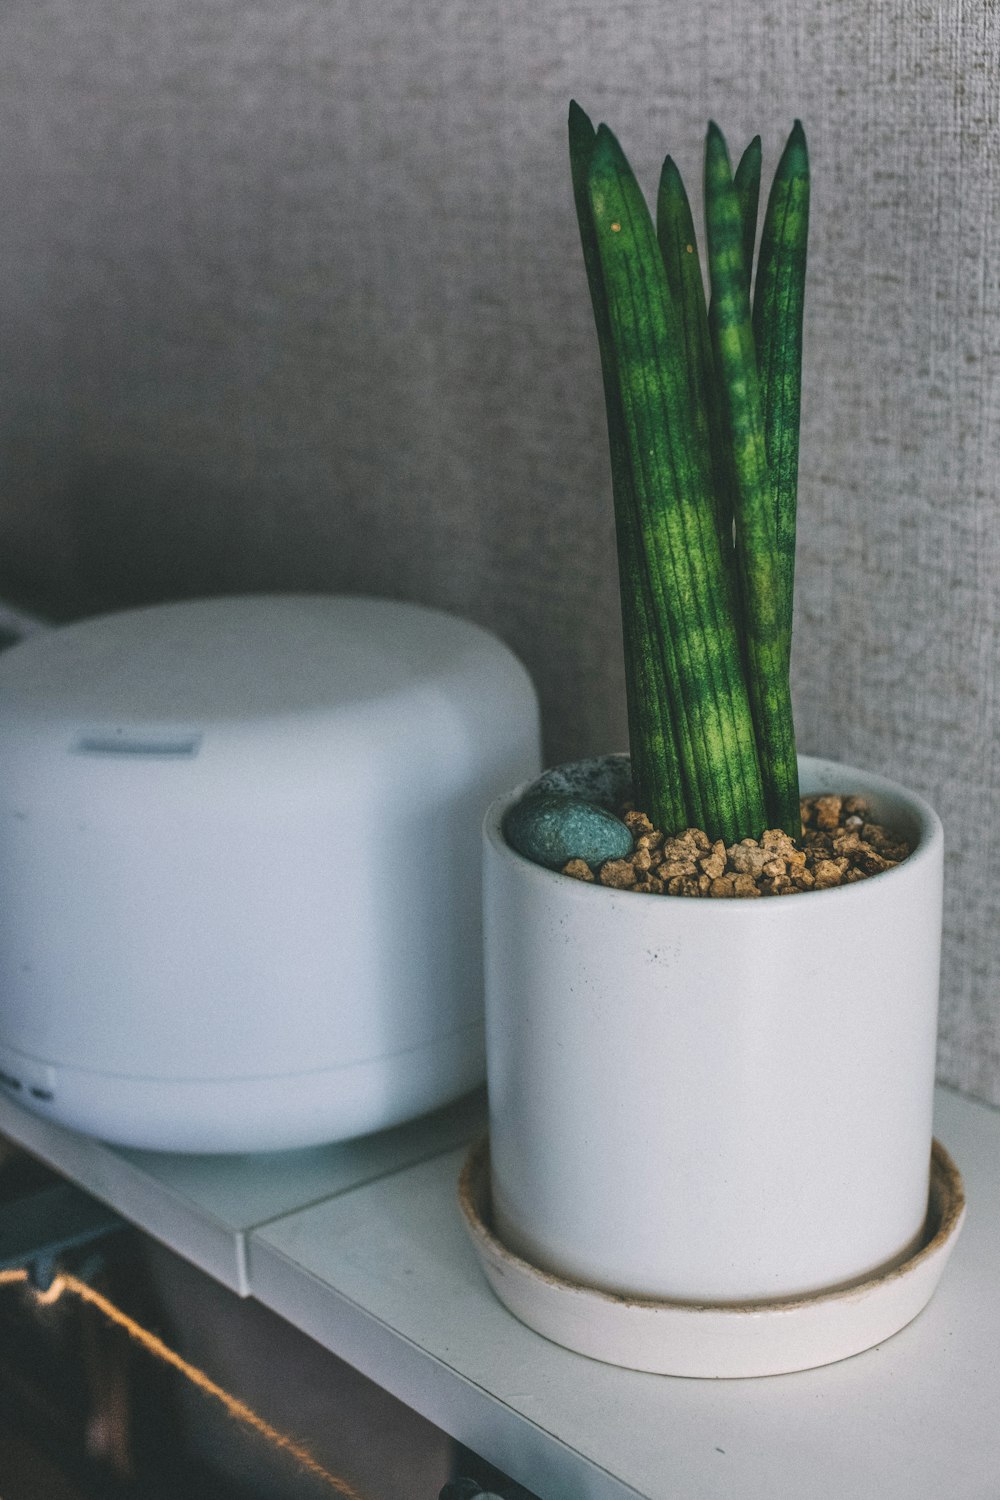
(703,472)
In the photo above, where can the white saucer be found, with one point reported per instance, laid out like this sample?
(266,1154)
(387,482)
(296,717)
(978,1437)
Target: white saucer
(715,1341)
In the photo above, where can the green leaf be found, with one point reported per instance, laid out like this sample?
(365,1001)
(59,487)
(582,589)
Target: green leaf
(746,181)
(767,657)
(779,298)
(652,716)
(678,245)
(671,492)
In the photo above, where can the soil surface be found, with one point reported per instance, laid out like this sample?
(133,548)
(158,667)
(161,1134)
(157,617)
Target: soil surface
(839,845)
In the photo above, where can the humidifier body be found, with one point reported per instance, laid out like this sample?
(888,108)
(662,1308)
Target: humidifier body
(239,866)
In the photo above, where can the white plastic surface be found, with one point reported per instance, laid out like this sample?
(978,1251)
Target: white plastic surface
(385,1276)
(710,1100)
(239,889)
(269,1113)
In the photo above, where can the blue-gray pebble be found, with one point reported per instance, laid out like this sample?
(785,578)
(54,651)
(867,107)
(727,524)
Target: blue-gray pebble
(552,829)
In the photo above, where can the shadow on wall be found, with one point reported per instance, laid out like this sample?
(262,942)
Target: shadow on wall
(150,531)
(137,538)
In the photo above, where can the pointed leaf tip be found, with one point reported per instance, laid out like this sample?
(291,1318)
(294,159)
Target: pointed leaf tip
(748,167)
(716,150)
(752,155)
(795,157)
(669,174)
(606,147)
(581,132)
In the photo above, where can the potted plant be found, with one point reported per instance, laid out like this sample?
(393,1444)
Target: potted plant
(702,1107)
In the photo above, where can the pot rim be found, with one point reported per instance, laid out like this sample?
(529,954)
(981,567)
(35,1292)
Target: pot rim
(928,847)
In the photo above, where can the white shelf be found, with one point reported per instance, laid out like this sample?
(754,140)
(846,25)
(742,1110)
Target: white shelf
(382,1274)
(205,1207)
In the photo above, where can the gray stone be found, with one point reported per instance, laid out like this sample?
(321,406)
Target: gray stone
(551,828)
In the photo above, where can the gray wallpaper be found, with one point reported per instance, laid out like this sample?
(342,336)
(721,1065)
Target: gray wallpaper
(292,298)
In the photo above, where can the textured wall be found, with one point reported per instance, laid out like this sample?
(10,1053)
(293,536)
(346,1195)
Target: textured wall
(292,298)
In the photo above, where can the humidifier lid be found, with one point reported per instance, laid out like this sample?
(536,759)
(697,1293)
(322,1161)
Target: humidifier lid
(235,658)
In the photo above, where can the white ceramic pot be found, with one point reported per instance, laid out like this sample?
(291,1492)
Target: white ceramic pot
(709,1100)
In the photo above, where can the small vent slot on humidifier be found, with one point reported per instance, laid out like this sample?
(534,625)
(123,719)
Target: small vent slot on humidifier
(151,746)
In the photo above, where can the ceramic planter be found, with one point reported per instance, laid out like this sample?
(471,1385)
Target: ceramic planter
(714,1101)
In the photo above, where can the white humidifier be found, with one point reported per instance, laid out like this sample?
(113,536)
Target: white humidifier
(239,866)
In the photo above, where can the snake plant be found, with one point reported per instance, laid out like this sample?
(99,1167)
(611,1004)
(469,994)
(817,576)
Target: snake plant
(702,398)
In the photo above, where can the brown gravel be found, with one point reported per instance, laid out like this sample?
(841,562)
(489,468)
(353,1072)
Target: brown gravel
(840,844)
